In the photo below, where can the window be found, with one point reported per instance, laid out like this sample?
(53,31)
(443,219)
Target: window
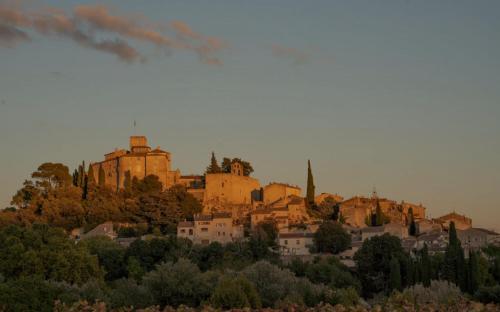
(286,242)
(183,231)
(223,233)
(298,242)
(218,233)
(204,229)
(190,231)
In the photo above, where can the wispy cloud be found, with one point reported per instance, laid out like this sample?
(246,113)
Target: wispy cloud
(88,21)
(10,36)
(296,56)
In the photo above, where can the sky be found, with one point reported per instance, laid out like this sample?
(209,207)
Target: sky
(402,96)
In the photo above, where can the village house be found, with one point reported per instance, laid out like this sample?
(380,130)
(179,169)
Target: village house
(476,238)
(208,228)
(295,244)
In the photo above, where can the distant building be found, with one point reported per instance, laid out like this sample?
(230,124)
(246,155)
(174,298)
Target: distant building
(276,191)
(295,244)
(394,229)
(286,212)
(477,238)
(140,161)
(461,221)
(230,192)
(206,229)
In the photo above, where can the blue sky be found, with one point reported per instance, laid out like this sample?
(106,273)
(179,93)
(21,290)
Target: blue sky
(400,95)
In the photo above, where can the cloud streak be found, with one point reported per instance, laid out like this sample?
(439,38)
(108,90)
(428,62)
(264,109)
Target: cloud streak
(296,56)
(10,36)
(88,21)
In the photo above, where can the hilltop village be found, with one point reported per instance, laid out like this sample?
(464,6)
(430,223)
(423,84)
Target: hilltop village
(234,202)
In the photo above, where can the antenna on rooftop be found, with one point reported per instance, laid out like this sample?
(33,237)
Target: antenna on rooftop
(135,124)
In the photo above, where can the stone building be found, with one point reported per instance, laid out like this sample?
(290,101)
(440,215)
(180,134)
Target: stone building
(140,161)
(357,209)
(230,192)
(209,228)
(461,221)
(276,191)
(295,244)
(476,238)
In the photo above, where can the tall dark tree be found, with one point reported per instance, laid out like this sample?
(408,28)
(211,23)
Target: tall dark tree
(75,177)
(412,228)
(85,188)
(226,165)
(379,215)
(127,182)
(82,176)
(90,175)
(454,266)
(102,176)
(395,274)
(473,273)
(214,166)
(425,267)
(310,186)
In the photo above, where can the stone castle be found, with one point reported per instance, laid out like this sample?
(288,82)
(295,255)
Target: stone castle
(140,161)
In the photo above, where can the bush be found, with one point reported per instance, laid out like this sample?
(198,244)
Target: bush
(488,294)
(178,283)
(233,293)
(439,292)
(348,297)
(127,293)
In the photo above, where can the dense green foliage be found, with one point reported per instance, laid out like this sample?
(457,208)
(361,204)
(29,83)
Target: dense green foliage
(39,261)
(331,238)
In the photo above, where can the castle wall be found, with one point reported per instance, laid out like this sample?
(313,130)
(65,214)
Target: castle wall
(226,188)
(277,191)
(133,163)
(110,167)
(158,165)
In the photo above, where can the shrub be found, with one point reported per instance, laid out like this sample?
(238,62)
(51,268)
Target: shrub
(488,294)
(439,292)
(235,293)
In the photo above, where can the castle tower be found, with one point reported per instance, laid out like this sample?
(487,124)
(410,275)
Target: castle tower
(237,168)
(139,144)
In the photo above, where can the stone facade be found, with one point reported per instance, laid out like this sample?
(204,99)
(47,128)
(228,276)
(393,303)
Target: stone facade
(276,191)
(206,229)
(461,221)
(140,161)
(295,244)
(228,191)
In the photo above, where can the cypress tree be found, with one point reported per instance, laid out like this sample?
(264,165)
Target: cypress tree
(85,188)
(425,265)
(102,176)
(214,166)
(454,266)
(395,275)
(473,273)
(75,178)
(379,216)
(413,227)
(83,175)
(310,185)
(90,175)
(79,176)
(127,183)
